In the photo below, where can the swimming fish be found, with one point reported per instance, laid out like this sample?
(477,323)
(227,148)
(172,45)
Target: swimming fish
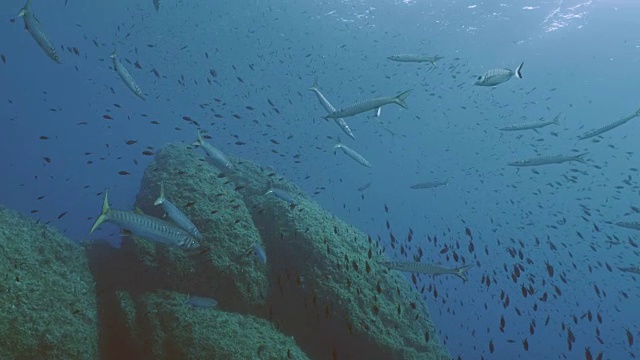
(532,125)
(352,154)
(176,215)
(156,4)
(372,104)
(611,126)
(34,28)
(145,226)
(430,184)
(546,160)
(631,269)
(329,108)
(282,195)
(218,157)
(431,269)
(629,224)
(201,302)
(126,76)
(415,58)
(498,76)
(259,253)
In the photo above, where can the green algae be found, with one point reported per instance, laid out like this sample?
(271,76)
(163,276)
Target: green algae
(172,329)
(47,296)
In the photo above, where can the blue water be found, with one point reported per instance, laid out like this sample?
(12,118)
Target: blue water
(581,59)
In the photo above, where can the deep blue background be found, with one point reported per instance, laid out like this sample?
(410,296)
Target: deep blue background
(581,59)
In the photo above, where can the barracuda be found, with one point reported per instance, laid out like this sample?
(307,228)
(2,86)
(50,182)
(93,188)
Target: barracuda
(34,28)
(176,215)
(372,104)
(425,268)
(329,108)
(145,226)
(126,76)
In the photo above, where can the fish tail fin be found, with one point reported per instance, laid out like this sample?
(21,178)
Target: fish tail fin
(315,85)
(556,120)
(104,214)
(199,141)
(461,272)
(580,158)
(25,10)
(399,99)
(160,198)
(519,70)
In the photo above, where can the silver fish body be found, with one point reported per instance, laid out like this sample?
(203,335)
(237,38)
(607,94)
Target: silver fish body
(34,28)
(631,269)
(217,156)
(629,224)
(498,76)
(126,76)
(546,160)
(352,154)
(364,106)
(414,58)
(145,226)
(329,108)
(430,184)
(610,126)
(282,195)
(177,215)
(532,125)
(425,268)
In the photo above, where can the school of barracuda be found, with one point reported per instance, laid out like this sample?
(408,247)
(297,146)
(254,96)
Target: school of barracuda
(182,233)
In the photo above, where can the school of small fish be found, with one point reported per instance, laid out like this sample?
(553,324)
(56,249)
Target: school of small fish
(504,266)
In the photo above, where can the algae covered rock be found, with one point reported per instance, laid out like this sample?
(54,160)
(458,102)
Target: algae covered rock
(223,266)
(47,301)
(328,288)
(168,327)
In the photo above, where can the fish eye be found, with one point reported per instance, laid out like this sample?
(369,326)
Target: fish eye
(479,77)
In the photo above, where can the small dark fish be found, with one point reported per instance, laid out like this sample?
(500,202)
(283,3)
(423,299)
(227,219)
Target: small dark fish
(131,142)
(107,117)
(629,337)
(4,58)
(44,137)
(147,153)
(65,213)
(123,172)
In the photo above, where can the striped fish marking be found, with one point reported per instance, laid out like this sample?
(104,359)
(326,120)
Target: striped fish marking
(145,226)
(426,268)
(176,215)
(498,76)
(126,76)
(34,28)
(372,104)
(329,108)
(610,126)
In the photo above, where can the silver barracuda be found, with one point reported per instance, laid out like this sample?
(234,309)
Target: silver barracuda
(546,160)
(430,184)
(126,76)
(415,58)
(34,28)
(176,215)
(372,104)
(610,126)
(216,155)
(425,268)
(282,195)
(352,154)
(145,226)
(329,108)
(532,125)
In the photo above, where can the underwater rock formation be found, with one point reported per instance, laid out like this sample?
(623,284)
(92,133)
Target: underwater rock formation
(328,289)
(322,283)
(48,300)
(171,328)
(223,266)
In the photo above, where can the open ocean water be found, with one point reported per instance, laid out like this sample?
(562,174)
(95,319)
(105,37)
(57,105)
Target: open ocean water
(554,274)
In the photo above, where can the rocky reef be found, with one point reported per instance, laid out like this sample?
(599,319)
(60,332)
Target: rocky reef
(47,296)
(319,293)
